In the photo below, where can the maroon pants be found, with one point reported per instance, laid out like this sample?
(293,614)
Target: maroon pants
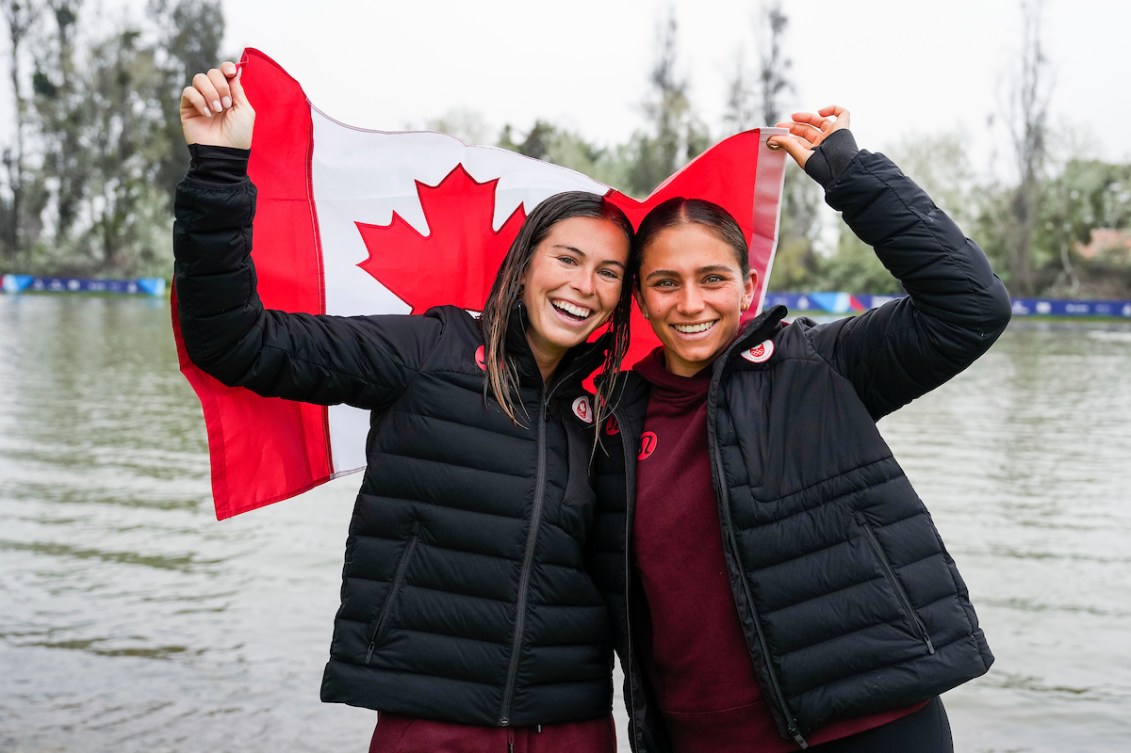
(403,734)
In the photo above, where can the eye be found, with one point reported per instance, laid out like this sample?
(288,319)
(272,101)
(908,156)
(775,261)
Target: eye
(608,274)
(713,279)
(663,284)
(567,260)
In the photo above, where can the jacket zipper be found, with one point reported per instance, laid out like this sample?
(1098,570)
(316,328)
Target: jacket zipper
(629,450)
(398,580)
(732,553)
(889,573)
(527,564)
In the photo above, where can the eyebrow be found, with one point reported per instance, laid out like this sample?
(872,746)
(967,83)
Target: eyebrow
(713,268)
(582,254)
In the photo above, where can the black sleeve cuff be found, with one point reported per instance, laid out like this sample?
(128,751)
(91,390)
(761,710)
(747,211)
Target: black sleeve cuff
(831,158)
(217,164)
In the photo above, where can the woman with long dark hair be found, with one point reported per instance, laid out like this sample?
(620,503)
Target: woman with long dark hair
(778,583)
(468,618)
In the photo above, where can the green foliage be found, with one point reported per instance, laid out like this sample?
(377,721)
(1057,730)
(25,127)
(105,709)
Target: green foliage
(675,134)
(104,149)
(88,178)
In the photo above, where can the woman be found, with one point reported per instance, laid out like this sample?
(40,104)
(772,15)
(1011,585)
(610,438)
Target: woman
(467,618)
(777,582)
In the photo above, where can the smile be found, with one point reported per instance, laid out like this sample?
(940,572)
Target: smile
(694,329)
(573,311)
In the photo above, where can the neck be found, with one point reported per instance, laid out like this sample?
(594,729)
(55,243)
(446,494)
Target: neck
(546,358)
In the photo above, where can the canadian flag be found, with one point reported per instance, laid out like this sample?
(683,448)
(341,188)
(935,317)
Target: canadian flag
(352,221)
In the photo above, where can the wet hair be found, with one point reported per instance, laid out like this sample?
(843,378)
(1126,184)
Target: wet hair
(506,294)
(682,211)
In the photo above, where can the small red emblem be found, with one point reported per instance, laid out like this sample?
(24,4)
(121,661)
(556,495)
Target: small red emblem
(481,357)
(647,445)
(612,428)
(582,410)
(759,353)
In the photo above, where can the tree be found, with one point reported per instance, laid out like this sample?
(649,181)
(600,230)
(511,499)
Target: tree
(20,17)
(60,105)
(1087,195)
(188,42)
(796,261)
(548,142)
(940,165)
(1029,106)
(773,72)
(676,135)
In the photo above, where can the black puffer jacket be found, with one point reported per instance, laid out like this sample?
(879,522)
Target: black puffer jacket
(465,596)
(848,600)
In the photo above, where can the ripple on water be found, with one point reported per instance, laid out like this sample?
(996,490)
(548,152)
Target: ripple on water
(130,620)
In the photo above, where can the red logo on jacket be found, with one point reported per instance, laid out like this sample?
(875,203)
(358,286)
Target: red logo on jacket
(759,353)
(582,409)
(647,445)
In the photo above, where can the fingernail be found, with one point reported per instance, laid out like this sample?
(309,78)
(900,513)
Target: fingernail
(227,102)
(206,112)
(216,105)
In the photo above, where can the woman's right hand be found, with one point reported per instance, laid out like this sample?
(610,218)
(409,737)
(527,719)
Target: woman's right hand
(215,110)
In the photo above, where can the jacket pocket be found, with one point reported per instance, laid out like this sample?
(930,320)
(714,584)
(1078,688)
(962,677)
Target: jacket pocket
(379,624)
(915,623)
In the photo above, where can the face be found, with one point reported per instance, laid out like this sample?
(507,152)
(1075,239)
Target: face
(572,285)
(693,293)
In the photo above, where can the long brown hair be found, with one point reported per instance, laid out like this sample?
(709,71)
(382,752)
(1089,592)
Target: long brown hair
(506,293)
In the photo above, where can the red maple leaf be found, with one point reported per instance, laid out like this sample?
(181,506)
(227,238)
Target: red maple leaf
(455,262)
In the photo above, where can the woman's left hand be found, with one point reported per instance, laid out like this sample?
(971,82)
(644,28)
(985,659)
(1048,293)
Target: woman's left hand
(807,130)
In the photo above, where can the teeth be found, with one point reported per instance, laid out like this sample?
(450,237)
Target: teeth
(691,329)
(569,308)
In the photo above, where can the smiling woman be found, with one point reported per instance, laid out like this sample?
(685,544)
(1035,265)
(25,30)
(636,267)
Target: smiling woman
(468,613)
(777,581)
(573,283)
(696,282)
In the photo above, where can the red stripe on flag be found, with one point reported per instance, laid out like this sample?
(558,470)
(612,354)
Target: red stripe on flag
(724,174)
(267,449)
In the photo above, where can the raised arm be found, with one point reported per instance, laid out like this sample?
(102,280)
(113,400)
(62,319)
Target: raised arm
(363,361)
(956,306)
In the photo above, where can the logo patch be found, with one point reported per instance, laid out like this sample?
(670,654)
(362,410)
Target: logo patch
(612,428)
(582,410)
(759,353)
(647,445)
(481,357)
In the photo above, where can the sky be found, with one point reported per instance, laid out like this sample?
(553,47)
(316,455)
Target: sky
(906,70)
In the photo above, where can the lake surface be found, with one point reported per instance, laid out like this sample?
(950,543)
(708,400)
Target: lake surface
(131,620)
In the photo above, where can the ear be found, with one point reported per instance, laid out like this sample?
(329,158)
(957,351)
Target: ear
(748,292)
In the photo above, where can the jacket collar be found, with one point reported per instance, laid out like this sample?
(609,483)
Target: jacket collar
(753,332)
(576,364)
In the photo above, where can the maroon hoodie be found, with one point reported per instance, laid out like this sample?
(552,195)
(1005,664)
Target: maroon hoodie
(694,650)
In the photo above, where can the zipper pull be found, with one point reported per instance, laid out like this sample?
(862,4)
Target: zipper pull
(369,654)
(930,646)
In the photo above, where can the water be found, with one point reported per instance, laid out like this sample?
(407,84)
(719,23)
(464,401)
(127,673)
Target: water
(130,620)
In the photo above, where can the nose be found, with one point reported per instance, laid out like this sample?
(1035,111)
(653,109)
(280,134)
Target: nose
(690,300)
(585,281)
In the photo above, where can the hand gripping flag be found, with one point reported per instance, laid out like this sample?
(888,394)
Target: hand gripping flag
(352,221)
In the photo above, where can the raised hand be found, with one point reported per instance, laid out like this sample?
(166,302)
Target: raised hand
(215,110)
(807,130)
